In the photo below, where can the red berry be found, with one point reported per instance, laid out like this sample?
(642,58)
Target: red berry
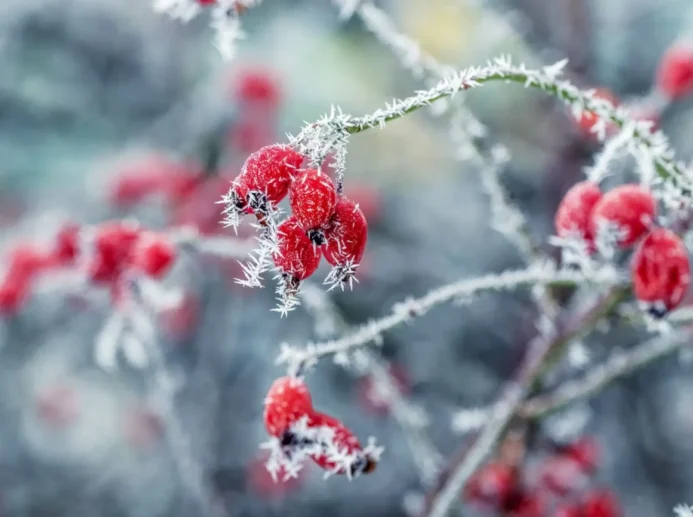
(561,474)
(297,256)
(347,234)
(66,245)
(661,271)
(588,119)
(153,254)
(601,503)
(493,484)
(575,211)
(267,174)
(343,443)
(584,451)
(623,215)
(25,261)
(313,201)
(287,401)
(675,73)
(568,510)
(258,87)
(113,245)
(13,292)
(526,505)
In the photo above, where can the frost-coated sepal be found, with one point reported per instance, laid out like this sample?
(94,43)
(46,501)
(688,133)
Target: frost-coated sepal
(661,272)
(313,200)
(622,216)
(345,242)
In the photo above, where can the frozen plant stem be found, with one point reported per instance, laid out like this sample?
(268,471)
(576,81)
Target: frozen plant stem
(501,414)
(163,395)
(619,365)
(299,359)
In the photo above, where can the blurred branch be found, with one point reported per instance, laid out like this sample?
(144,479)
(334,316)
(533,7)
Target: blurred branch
(539,352)
(299,359)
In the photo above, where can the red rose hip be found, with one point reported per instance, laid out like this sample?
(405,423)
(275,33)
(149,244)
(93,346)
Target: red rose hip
(575,211)
(267,175)
(675,72)
(346,237)
(313,201)
(661,271)
(297,257)
(622,216)
(286,402)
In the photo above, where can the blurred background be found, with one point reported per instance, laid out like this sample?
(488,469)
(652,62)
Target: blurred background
(94,91)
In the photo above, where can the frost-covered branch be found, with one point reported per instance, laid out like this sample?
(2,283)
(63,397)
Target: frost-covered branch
(620,364)
(683,510)
(655,145)
(403,312)
(539,353)
(412,419)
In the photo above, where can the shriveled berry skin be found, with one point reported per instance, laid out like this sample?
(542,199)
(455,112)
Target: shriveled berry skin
(270,170)
(347,235)
(675,72)
(153,254)
(313,199)
(345,441)
(661,271)
(297,256)
(601,503)
(286,402)
(575,211)
(630,209)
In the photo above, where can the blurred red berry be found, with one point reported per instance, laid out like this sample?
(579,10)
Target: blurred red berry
(601,503)
(261,482)
(296,256)
(57,405)
(623,215)
(200,209)
(343,443)
(575,210)
(492,484)
(287,401)
(585,451)
(251,133)
(675,72)
(112,246)
(526,504)
(366,197)
(267,174)
(13,293)
(257,86)
(588,119)
(153,254)
(66,246)
(661,271)
(372,395)
(346,235)
(313,201)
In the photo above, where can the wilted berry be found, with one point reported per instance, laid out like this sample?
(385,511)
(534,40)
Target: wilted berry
(287,401)
(347,234)
(675,72)
(296,257)
(313,201)
(153,254)
(661,271)
(575,211)
(623,215)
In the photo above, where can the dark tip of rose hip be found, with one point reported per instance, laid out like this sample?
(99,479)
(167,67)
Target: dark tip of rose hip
(317,237)
(257,201)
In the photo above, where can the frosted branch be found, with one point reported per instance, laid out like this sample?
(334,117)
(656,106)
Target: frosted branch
(409,309)
(683,510)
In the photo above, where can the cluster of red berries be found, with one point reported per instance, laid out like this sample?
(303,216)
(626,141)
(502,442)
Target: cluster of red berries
(622,218)
(27,261)
(557,490)
(303,432)
(322,222)
(117,247)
